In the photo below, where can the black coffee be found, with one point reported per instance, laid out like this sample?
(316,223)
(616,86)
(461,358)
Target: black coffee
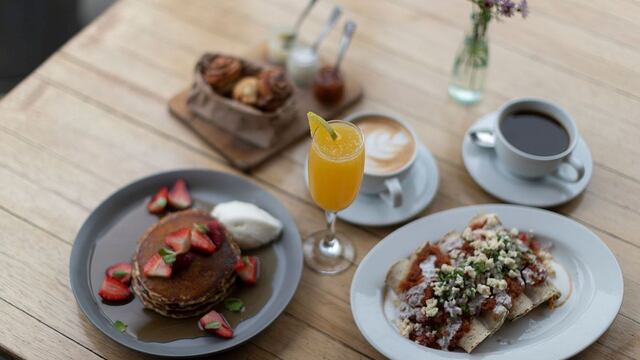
(535,133)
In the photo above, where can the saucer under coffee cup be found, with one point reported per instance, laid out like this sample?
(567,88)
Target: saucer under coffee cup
(533,138)
(391,147)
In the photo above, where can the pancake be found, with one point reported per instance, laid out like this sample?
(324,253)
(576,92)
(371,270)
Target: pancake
(194,290)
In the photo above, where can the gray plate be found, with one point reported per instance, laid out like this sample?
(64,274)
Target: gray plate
(210,187)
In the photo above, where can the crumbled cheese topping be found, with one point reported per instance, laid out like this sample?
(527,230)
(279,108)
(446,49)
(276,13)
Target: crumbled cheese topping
(483,290)
(445,268)
(497,283)
(470,271)
(431,309)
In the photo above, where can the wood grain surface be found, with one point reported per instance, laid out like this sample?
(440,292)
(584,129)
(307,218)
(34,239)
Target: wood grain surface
(94,117)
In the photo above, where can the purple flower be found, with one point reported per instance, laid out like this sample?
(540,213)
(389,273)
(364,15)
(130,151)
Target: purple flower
(506,7)
(523,8)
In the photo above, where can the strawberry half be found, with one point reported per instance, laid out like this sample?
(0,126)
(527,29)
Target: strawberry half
(157,267)
(200,241)
(239,264)
(113,290)
(216,232)
(183,261)
(120,272)
(179,197)
(179,240)
(159,201)
(250,271)
(214,323)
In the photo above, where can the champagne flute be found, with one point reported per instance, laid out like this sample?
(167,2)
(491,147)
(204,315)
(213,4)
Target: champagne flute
(335,168)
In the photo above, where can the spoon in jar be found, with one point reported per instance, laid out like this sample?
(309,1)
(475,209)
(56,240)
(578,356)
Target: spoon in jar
(303,16)
(289,36)
(331,22)
(347,35)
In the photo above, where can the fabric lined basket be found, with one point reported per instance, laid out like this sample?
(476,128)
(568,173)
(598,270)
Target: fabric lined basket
(243,121)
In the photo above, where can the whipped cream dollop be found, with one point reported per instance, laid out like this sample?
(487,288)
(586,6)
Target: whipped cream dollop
(250,226)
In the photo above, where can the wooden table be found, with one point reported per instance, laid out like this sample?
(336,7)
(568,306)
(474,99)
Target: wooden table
(94,117)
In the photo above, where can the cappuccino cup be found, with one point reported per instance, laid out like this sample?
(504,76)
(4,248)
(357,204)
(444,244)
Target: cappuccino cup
(391,147)
(532,139)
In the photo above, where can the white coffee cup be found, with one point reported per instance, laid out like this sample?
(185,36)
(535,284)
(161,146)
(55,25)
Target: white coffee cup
(387,184)
(528,165)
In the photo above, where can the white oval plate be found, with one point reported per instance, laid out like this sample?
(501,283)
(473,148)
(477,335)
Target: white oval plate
(542,334)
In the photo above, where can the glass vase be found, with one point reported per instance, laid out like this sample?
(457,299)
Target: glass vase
(470,65)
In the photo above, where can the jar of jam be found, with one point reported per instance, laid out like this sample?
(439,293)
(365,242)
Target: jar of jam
(328,85)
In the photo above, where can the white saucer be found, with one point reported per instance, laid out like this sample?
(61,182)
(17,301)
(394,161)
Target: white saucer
(487,172)
(419,188)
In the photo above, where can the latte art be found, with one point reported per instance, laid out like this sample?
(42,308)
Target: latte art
(389,146)
(383,146)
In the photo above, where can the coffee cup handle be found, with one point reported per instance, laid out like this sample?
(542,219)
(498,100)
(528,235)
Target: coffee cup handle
(393,194)
(576,165)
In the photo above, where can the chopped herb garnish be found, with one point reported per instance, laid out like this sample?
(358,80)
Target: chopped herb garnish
(168,255)
(233,304)
(213,325)
(120,326)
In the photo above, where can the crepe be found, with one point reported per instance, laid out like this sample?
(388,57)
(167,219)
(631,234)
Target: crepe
(480,328)
(416,278)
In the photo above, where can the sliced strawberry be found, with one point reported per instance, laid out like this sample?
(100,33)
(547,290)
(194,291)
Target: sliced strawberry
(120,271)
(239,264)
(159,201)
(179,240)
(113,290)
(183,261)
(179,197)
(217,232)
(250,272)
(214,323)
(157,267)
(200,241)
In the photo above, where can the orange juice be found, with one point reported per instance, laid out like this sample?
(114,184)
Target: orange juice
(336,166)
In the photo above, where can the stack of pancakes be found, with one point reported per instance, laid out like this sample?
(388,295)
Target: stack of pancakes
(194,290)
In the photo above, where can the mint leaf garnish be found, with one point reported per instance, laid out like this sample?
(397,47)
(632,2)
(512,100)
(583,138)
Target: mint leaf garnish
(201,228)
(119,273)
(233,304)
(120,326)
(213,325)
(168,255)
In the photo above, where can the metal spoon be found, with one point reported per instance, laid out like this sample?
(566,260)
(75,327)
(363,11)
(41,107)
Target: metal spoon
(333,18)
(302,16)
(347,35)
(483,138)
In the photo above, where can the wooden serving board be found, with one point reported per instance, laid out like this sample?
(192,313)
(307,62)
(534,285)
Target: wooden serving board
(246,156)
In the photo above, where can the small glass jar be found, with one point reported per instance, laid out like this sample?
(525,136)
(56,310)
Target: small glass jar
(302,65)
(279,45)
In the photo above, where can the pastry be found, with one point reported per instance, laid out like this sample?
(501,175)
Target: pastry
(222,72)
(246,90)
(274,89)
